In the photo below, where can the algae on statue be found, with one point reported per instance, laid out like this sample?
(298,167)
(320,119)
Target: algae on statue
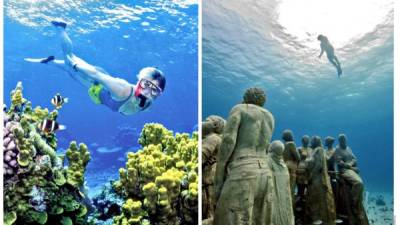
(320,196)
(283,213)
(243,179)
(212,129)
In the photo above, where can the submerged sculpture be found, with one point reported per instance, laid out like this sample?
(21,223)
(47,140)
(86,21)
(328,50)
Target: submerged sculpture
(320,197)
(349,176)
(302,176)
(330,150)
(254,188)
(291,157)
(283,213)
(243,181)
(212,129)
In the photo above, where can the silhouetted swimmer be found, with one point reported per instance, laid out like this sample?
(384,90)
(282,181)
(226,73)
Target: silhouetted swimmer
(327,47)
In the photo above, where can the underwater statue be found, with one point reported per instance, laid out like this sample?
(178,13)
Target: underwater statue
(291,157)
(319,191)
(212,129)
(330,150)
(117,94)
(244,187)
(351,198)
(302,176)
(283,211)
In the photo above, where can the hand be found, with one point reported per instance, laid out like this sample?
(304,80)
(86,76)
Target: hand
(347,165)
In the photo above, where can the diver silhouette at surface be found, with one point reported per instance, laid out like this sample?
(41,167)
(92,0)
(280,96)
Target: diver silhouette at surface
(327,47)
(117,94)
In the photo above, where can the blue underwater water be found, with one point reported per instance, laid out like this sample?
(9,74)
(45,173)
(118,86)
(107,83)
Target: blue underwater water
(246,45)
(121,37)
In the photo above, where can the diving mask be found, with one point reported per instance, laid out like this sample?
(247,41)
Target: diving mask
(148,85)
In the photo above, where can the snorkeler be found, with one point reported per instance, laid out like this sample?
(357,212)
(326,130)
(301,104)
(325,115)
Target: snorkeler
(330,53)
(115,93)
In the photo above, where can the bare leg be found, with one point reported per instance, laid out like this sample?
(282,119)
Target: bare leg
(61,65)
(84,72)
(337,61)
(87,74)
(335,64)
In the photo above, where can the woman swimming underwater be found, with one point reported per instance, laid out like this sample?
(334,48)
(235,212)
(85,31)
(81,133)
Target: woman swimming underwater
(117,94)
(327,47)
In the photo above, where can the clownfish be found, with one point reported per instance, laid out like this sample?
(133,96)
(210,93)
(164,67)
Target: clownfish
(50,126)
(58,101)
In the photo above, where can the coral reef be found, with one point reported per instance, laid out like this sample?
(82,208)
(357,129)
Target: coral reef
(78,158)
(160,181)
(107,203)
(10,166)
(37,188)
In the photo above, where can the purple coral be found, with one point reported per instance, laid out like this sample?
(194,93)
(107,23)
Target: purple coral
(10,149)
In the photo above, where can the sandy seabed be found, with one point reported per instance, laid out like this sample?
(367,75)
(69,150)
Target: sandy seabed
(379,206)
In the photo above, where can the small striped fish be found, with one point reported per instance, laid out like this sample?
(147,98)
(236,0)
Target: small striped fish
(58,101)
(50,126)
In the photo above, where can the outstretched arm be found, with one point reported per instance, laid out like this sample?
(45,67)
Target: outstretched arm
(119,88)
(322,51)
(227,146)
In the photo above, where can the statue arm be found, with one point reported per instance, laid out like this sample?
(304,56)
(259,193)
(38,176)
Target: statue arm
(226,150)
(294,152)
(209,149)
(318,159)
(353,161)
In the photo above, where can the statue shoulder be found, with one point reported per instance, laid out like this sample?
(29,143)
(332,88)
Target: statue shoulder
(290,145)
(238,108)
(214,138)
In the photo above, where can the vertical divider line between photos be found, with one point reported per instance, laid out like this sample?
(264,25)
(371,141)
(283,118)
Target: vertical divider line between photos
(396,113)
(2,101)
(199,107)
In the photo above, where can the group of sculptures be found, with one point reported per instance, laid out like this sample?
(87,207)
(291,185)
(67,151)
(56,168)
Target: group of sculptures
(249,180)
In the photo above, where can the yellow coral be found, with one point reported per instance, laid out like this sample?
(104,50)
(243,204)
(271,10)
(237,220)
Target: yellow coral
(159,174)
(40,114)
(132,213)
(17,98)
(78,158)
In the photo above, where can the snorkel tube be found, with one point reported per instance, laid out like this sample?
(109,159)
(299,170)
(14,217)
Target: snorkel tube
(149,74)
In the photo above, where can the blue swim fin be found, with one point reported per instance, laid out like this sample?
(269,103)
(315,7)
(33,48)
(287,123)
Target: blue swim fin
(59,24)
(48,59)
